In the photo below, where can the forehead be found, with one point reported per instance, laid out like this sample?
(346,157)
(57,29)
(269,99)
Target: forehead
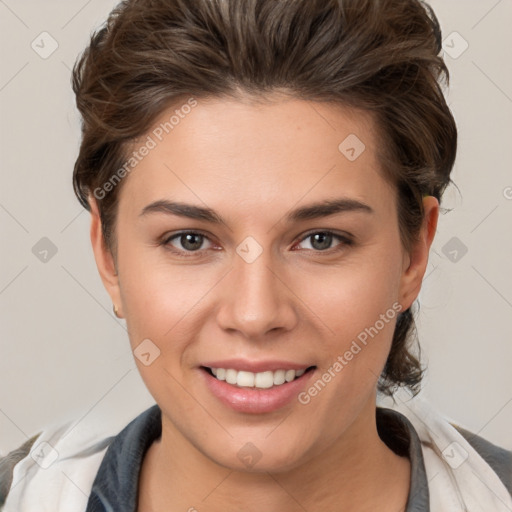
(256,152)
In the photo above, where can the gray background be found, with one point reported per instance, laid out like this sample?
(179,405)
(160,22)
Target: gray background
(63,354)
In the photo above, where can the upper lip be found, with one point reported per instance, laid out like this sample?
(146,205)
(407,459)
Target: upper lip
(256,366)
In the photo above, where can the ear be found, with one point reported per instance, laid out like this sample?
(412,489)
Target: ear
(104,259)
(417,260)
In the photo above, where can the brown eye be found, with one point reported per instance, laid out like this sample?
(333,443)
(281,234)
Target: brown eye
(323,240)
(185,242)
(191,241)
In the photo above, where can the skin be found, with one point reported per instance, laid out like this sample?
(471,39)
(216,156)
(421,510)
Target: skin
(253,163)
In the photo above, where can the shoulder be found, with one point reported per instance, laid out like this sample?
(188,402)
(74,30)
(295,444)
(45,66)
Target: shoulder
(497,457)
(7,464)
(54,469)
(461,467)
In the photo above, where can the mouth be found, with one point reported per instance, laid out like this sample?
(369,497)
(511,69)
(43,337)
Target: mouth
(256,387)
(268,379)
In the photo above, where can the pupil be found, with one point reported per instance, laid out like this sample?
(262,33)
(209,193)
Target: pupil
(324,240)
(188,241)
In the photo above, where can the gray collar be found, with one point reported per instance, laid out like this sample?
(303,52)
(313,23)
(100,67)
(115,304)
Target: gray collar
(116,483)
(401,437)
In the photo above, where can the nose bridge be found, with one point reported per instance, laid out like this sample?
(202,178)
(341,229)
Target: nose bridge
(256,301)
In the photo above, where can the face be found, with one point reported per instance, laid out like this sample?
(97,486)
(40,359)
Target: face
(248,239)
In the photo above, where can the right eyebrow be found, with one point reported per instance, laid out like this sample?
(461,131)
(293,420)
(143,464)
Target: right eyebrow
(183,210)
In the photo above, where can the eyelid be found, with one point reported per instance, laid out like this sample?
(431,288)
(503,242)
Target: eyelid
(339,234)
(170,236)
(345,238)
(166,239)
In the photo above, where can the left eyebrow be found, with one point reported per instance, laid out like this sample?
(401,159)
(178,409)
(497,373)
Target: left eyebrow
(326,208)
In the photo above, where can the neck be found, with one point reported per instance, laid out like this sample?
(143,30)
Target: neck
(356,471)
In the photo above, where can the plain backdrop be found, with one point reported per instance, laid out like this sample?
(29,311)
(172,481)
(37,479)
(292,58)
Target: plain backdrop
(64,356)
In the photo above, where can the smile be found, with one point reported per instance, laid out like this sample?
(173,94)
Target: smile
(260,380)
(256,387)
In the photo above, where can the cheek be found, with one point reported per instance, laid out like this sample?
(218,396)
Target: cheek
(163,302)
(162,308)
(359,311)
(353,296)
(358,307)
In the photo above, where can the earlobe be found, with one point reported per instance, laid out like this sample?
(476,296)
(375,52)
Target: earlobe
(105,261)
(412,276)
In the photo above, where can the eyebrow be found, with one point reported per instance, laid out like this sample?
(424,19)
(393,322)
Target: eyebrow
(312,211)
(326,208)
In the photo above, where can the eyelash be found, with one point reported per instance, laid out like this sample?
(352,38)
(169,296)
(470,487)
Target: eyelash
(346,241)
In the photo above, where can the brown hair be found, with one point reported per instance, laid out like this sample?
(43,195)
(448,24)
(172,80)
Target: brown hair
(381,57)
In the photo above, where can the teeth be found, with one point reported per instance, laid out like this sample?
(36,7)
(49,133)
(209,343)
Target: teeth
(279,377)
(245,379)
(261,380)
(231,376)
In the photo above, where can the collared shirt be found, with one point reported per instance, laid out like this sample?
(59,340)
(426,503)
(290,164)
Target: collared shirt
(103,475)
(116,484)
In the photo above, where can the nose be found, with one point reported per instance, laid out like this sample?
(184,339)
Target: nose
(257,299)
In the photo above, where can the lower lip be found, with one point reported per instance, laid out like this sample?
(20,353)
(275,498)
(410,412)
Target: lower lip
(253,400)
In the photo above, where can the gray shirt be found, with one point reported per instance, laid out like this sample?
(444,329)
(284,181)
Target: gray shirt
(115,487)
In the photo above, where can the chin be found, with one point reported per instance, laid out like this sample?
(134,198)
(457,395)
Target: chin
(259,457)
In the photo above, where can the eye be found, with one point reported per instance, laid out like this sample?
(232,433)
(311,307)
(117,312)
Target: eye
(185,242)
(322,241)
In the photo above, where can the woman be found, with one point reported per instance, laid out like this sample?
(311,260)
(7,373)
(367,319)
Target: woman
(264,182)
